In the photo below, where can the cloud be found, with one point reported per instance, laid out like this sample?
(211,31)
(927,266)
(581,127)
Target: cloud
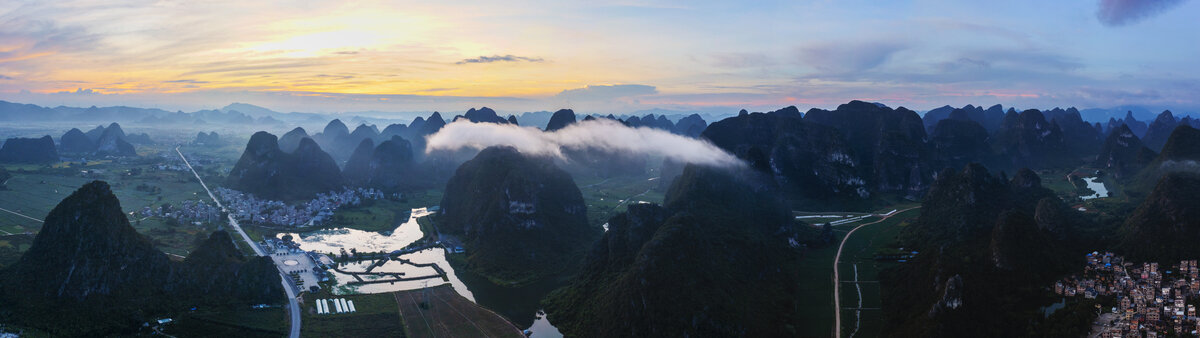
(606,92)
(6,77)
(1123,12)
(742,60)
(186,81)
(1025,59)
(79,91)
(601,134)
(1120,95)
(848,57)
(499,58)
(28,38)
(964,63)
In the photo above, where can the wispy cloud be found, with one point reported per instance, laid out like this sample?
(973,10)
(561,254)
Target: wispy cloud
(606,92)
(500,58)
(742,60)
(6,77)
(1124,12)
(845,56)
(79,91)
(190,81)
(1120,95)
(28,38)
(1024,58)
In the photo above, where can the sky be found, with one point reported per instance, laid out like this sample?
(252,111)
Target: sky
(599,56)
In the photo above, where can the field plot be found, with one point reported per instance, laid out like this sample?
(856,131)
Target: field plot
(861,304)
(376,315)
(240,322)
(816,290)
(433,312)
(33,193)
(441,312)
(607,197)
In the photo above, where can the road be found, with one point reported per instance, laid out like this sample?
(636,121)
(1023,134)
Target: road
(837,301)
(293,303)
(22,215)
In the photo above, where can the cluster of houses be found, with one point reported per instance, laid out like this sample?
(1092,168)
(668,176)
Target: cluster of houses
(247,208)
(1151,302)
(188,211)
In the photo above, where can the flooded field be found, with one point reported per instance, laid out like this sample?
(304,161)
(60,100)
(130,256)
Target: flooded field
(520,305)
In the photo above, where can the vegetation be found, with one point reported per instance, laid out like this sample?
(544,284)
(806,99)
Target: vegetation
(1166,226)
(441,312)
(989,246)
(859,257)
(88,272)
(433,312)
(371,215)
(241,321)
(268,172)
(34,191)
(717,259)
(520,218)
(11,247)
(376,315)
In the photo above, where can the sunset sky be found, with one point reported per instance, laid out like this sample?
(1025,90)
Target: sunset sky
(599,56)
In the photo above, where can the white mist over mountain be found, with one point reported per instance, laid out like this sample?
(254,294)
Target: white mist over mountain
(600,134)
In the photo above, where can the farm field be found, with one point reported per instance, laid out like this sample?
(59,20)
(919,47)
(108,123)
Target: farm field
(859,253)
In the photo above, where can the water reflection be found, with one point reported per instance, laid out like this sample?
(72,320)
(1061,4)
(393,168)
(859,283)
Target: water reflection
(335,240)
(542,328)
(520,305)
(436,256)
(1096,185)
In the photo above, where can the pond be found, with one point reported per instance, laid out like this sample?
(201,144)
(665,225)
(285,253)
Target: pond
(1096,185)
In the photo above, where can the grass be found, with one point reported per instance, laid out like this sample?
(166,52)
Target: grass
(607,197)
(375,215)
(11,247)
(376,316)
(861,250)
(441,312)
(1057,180)
(816,289)
(34,191)
(401,313)
(237,322)
(817,267)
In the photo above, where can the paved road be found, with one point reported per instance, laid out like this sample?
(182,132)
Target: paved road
(22,215)
(293,303)
(837,301)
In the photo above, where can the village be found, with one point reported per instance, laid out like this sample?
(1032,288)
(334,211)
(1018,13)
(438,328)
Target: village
(1150,301)
(252,210)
